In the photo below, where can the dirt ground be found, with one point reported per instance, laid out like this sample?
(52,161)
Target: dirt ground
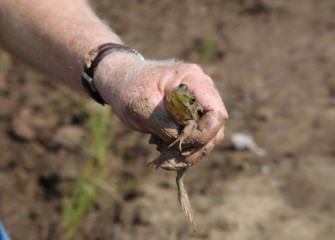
(273,63)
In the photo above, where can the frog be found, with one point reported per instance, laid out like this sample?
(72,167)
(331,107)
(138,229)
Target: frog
(184,110)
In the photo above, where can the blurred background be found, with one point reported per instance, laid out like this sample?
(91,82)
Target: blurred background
(70,170)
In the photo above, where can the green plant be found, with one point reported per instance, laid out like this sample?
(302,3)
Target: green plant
(92,176)
(207,51)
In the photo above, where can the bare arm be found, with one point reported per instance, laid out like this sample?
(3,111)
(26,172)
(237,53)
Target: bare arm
(55,35)
(52,35)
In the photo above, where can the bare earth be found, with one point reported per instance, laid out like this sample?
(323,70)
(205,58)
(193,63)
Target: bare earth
(274,66)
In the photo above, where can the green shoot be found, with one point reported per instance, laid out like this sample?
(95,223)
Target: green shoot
(93,173)
(207,52)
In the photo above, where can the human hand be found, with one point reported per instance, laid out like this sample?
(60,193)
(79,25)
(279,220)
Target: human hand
(137,91)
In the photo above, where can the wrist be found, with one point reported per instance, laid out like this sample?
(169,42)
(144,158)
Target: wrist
(114,67)
(94,58)
(112,73)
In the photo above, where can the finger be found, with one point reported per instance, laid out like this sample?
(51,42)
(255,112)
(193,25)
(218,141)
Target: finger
(171,159)
(215,113)
(162,124)
(205,150)
(150,115)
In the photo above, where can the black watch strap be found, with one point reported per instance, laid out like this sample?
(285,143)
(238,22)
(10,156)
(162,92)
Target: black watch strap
(91,62)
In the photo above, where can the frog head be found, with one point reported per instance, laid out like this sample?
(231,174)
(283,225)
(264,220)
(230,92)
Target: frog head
(182,105)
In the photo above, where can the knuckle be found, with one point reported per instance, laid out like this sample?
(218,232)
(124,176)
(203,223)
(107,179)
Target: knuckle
(204,139)
(209,81)
(194,158)
(212,128)
(221,117)
(219,137)
(224,117)
(193,67)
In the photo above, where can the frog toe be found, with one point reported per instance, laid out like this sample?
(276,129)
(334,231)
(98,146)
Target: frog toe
(179,139)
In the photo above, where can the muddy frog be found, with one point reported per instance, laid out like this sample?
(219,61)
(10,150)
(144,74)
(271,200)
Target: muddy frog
(184,109)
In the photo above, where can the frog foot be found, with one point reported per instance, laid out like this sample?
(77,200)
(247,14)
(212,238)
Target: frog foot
(171,164)
(181,138)
(185,133)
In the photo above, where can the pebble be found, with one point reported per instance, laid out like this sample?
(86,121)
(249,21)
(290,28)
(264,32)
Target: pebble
(265,170)
(23,127)
(243,141)
(69,136)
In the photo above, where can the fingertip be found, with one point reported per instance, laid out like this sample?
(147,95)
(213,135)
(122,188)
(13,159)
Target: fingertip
(208,127)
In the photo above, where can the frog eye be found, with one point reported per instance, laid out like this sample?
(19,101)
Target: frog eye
(192,100)
(183,87)
(200,113)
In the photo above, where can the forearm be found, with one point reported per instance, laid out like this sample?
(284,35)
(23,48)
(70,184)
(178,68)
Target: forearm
(53,36)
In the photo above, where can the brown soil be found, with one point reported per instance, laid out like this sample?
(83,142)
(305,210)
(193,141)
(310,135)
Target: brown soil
(274,65)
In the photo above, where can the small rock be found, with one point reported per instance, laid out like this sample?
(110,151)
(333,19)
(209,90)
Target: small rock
(275,183)
(7,105)
(28,125)
(69,136)
(242,141)
(265,170)
(22,125)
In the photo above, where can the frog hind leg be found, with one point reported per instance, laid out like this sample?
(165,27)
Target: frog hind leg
(185,133)
(183,197)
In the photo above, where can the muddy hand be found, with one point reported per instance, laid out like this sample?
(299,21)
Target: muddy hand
(137,91)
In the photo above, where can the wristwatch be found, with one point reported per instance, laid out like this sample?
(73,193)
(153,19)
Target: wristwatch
(92,60)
